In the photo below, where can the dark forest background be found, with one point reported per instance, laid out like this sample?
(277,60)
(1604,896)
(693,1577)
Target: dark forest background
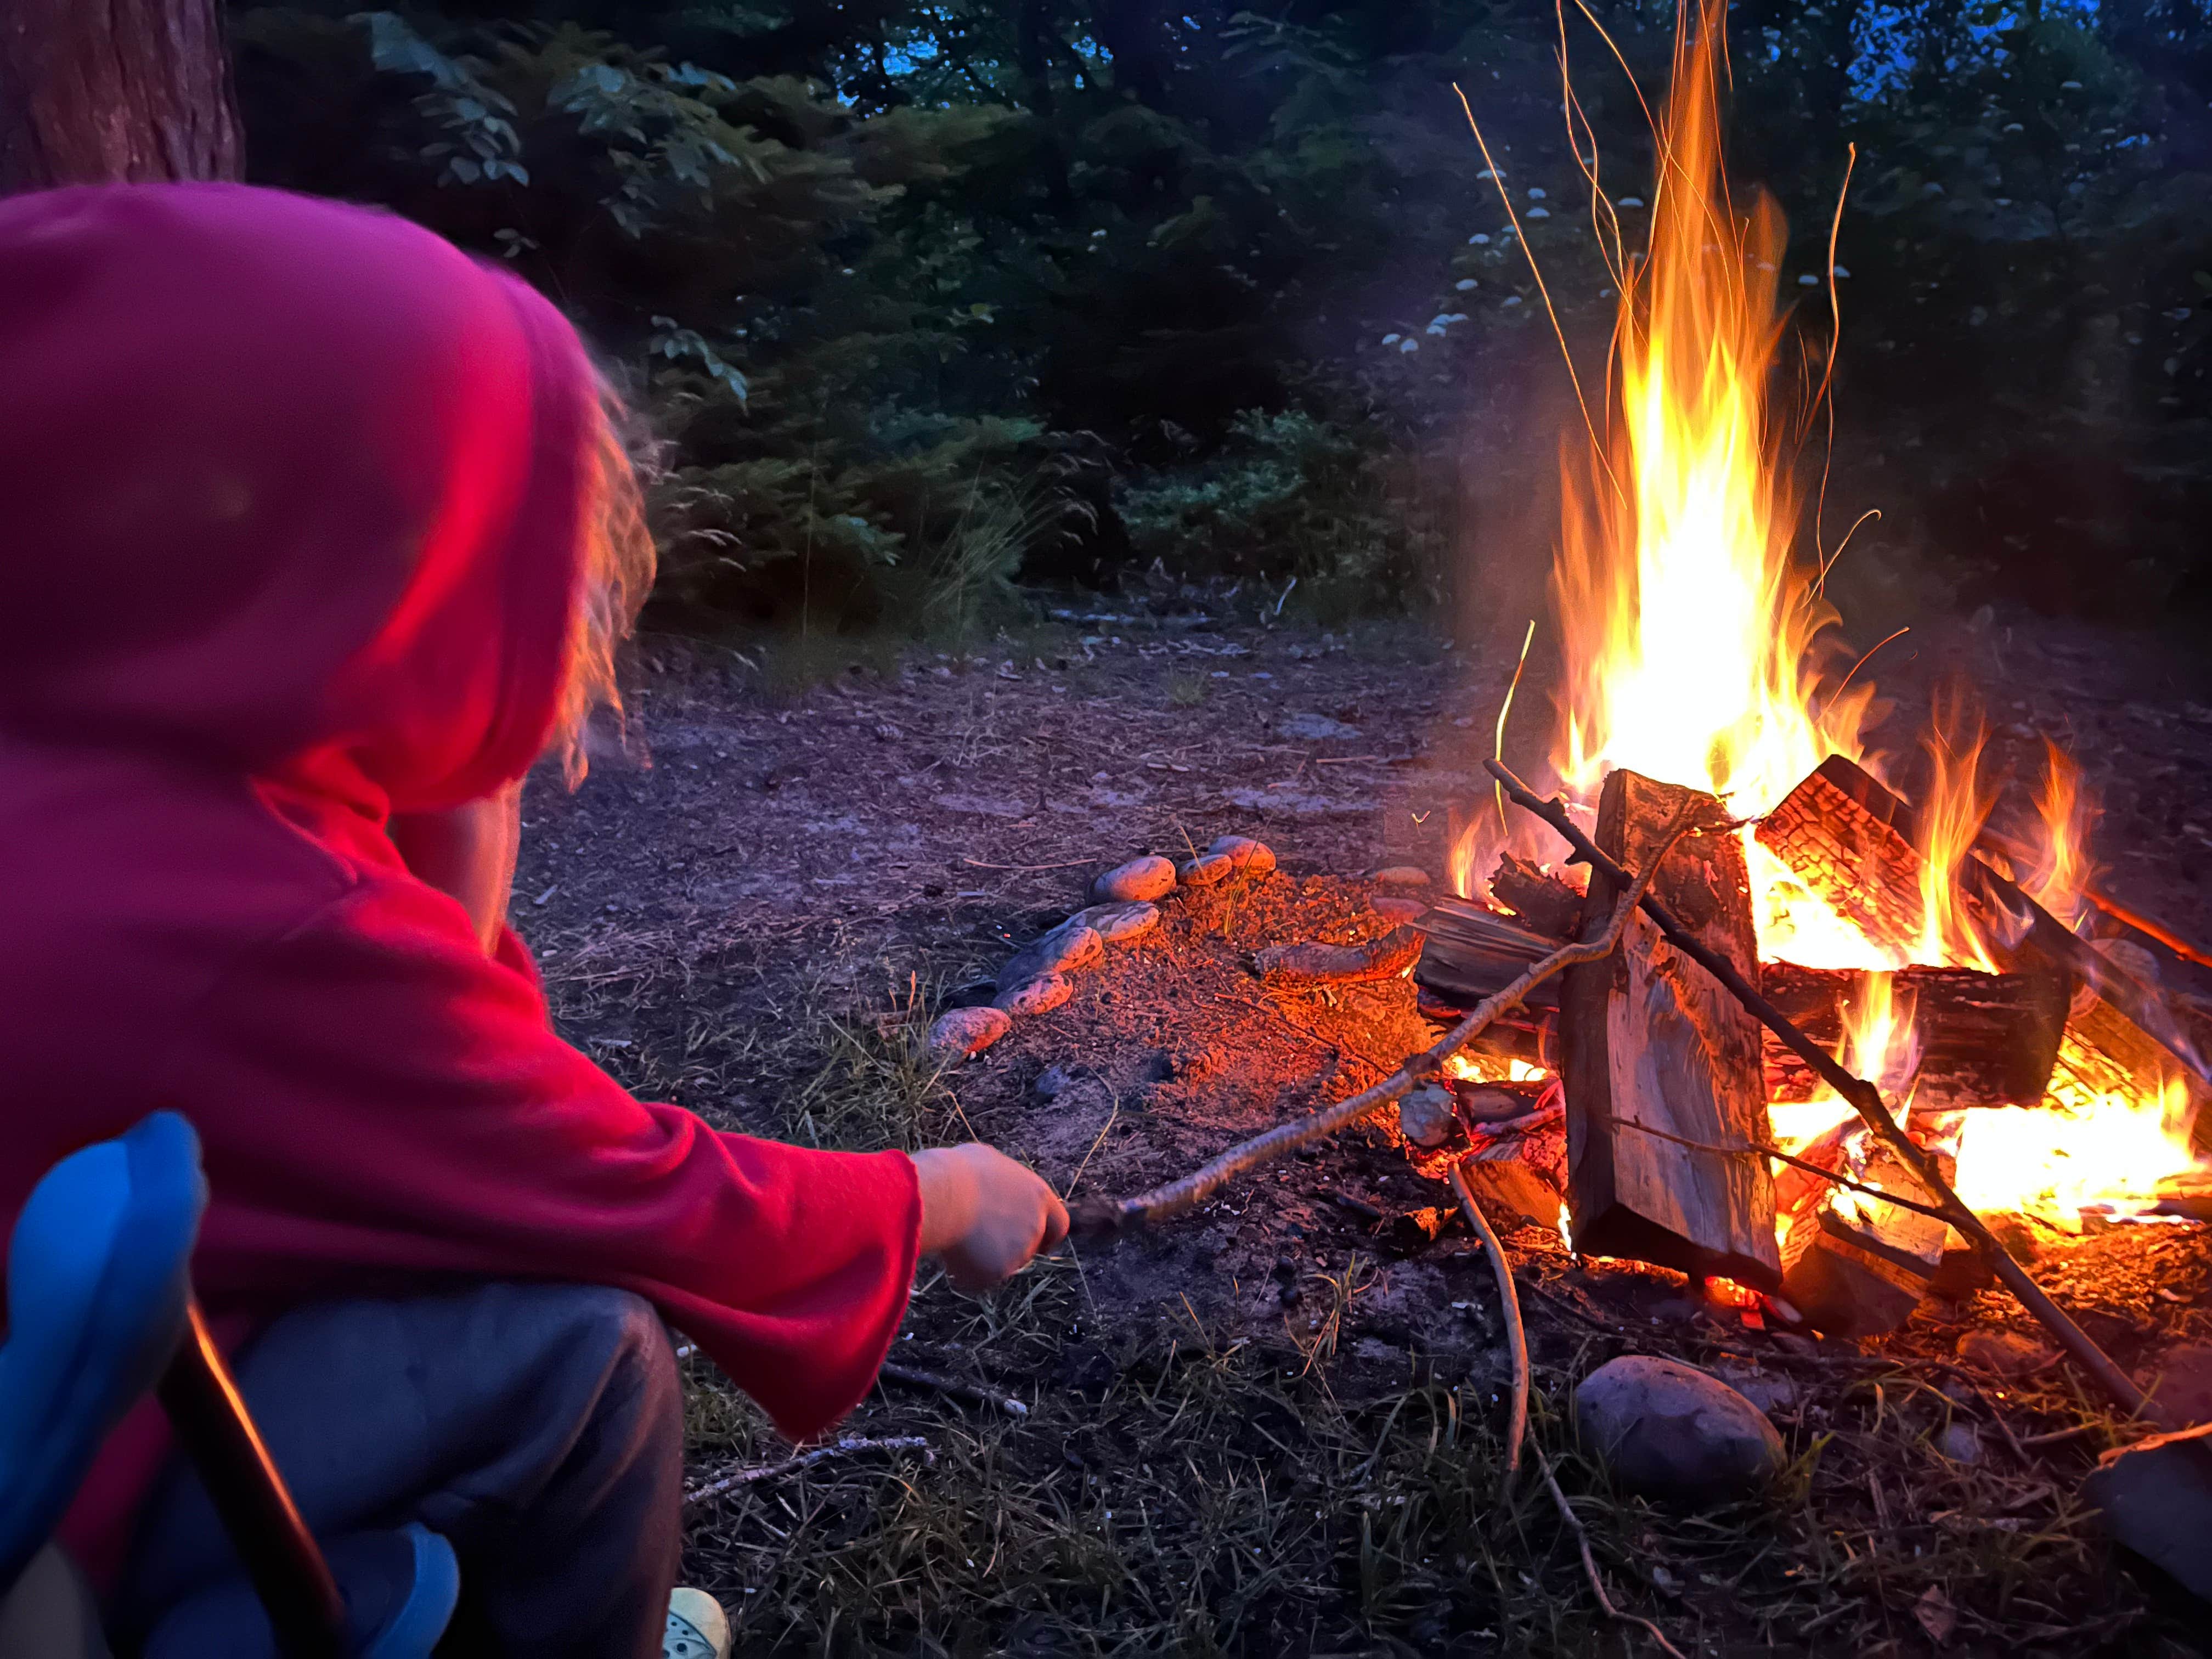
(932,302)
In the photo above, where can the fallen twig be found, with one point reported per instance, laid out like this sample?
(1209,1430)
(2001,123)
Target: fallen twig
(746,1477)
(921,1379)
(1862,1097)
(1589,1561)
(1509,1301)
(1094,1218)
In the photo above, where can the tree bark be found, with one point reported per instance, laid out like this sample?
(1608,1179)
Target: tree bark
(114,91)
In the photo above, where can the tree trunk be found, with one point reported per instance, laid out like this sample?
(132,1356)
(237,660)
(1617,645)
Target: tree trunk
(112,91)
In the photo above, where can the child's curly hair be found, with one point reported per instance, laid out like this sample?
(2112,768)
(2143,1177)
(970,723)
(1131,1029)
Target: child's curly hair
(616,574)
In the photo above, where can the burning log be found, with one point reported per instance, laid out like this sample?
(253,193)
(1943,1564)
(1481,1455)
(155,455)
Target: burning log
(1858,1265)
(1541,899)
(1984,1039)
(1648,1039)
(1852,842)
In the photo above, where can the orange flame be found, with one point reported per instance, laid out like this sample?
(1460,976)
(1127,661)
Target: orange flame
(1689,630)
(1952,810)
(1693,647)
(2060,878)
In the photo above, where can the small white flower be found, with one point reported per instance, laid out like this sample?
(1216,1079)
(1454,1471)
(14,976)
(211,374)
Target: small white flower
(2069,86)
(1409,344)
(1512,300)
(1808,280)
(1466,283)
(1632,202)
(1539,213)
(2012,126)
(1480,239)
(1486,173)
(1535,195)
(1841,273)
(1392,339)
(1095,235)
(1437,328)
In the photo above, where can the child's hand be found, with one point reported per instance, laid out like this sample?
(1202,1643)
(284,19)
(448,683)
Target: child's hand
(983,1215)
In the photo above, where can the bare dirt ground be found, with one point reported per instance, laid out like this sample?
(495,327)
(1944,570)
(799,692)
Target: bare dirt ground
(1265,1428)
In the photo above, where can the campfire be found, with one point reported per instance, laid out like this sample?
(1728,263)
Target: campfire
(1934,955)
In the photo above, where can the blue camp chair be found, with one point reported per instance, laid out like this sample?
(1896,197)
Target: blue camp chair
(98,1310)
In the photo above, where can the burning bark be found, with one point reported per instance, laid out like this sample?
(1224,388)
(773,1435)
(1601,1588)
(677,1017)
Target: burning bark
(1984,1039)
(1852,842)
(1648,1039)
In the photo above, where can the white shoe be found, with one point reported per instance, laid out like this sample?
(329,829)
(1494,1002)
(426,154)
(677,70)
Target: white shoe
(697,1627)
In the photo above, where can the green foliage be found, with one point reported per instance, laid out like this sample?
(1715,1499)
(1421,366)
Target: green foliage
(1204,276)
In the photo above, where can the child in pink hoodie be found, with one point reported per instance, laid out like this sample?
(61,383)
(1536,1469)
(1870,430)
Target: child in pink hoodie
(317,540)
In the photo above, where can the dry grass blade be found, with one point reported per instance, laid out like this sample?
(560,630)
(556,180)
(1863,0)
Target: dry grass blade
(1281,1141)
(845,1448)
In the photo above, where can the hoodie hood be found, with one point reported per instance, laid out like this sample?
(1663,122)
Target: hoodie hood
(294,490)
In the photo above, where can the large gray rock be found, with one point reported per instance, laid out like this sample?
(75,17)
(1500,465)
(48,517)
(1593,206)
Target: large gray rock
(2156,1500)
(1668,1430)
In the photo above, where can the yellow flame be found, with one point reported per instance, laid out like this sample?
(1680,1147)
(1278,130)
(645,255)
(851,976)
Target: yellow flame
(1689,630)
(2108,1153)
(1694,647)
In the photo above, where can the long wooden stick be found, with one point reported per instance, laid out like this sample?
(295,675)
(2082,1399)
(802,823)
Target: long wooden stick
(1863,1098)
(1097,1217)
(1589,1562)
(1509,1302)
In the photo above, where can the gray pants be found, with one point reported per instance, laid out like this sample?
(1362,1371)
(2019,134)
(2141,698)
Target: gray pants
(539,1428)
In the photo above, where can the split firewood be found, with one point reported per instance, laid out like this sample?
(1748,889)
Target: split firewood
(1863,1098)
(1852,842)
(1541,899)
(1984,1039)
(1857,1266)
(1648,1039)
(1469,951)
(1316,963)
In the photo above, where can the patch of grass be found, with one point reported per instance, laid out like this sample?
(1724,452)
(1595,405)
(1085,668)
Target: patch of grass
(1184,1486)
(1187,691)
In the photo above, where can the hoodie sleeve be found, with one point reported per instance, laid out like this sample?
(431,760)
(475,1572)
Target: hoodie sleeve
(379,1102)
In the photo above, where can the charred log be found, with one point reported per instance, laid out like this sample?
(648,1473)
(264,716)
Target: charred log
(1984,1039)
(1541,899)
(1648,1039)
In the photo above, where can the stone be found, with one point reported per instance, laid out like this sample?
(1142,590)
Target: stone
(2156,1500)
(965,1031)
(1138,882)
(1961,1443)
(1052,1083)
(1313,728)
(1207,870)
(1402,875)
(2003,1352)
(1668,1430)
(1119,923)
(1770,1391)
(1395,908)
(2181,1381)
(1425,1116)
(1251,857)
(1034,996)
(1070,945)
